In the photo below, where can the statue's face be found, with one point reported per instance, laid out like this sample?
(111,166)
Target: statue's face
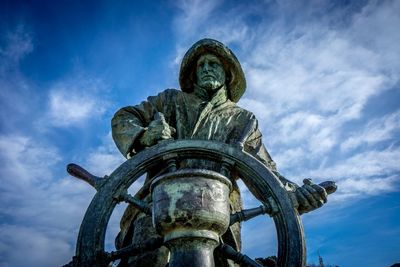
(210,73)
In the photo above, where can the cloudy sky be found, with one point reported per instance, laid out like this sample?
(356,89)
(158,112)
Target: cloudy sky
(323,80)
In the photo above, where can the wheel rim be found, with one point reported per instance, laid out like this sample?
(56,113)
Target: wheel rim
(261,182)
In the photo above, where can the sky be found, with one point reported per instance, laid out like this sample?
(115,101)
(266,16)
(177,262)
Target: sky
(322,79)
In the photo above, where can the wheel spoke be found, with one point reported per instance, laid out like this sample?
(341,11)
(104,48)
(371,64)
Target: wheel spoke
(80,173)
(248,214)
(269,208)
(134,250)
(239,258)
(137,203)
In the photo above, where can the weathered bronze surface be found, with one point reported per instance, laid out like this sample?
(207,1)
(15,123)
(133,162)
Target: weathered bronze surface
(191,200)
(259,179)
(191,210)
(166,137)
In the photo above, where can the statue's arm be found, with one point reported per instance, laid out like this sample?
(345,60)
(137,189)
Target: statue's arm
(255,147)
(129,124)
(306,198)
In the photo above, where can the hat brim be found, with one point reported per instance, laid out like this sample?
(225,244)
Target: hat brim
(236,82)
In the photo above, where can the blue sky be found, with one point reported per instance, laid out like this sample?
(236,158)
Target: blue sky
(323,80)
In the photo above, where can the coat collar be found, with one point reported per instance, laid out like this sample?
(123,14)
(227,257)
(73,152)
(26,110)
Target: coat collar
(217,99)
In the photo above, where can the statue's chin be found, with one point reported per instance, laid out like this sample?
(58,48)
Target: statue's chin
(211,87)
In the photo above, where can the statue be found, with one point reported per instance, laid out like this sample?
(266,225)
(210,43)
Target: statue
(212,81)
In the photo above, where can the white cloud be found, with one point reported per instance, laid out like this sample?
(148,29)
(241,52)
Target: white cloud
(194,15)
(205,19)
(18,44)
(105,158)
(43,211)
(377,130)
(71,101)
(309,78)
(21,246)
(306,84)
(25,161)
(373,186)
(326,73)
(291,156)
(362,175)
(17,95)
(75,101)
(44,207)
(298,125)
(377,27)
(363,165)
(314,67)
(41,208)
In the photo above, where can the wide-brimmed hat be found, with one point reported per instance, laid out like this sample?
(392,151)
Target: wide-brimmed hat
(236,82)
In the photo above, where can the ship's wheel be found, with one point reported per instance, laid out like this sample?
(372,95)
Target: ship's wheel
(261,182)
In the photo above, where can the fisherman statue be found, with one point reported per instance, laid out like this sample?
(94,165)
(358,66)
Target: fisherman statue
(212,82)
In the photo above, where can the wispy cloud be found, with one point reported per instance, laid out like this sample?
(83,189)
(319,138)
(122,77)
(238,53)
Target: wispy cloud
(76,100)
(26,162)
(34,244)
(308,83)
(194,15)
(16,94)
(365,174)
(41,207)
(17,44)
(375,131)
(352,188)
(309,77)
(38,206)
(363,165)
(104,159)
(312,67)
(209,19)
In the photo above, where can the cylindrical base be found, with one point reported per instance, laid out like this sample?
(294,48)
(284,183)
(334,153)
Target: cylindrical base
(195,252)
(191,210)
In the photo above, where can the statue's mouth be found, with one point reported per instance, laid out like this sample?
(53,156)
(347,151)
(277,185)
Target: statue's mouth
(208,76)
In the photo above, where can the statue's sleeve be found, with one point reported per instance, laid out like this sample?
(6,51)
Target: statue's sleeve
(129,123)
(255,147)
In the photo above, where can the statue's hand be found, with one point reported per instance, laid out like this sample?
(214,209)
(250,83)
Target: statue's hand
(157,130)
(310,196)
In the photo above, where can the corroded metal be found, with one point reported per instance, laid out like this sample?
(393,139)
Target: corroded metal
(139,204)
(258,178)
(231,253)
(245,215)
(270,206)
(191,210)
(135,249)
(329,186)
(80,173)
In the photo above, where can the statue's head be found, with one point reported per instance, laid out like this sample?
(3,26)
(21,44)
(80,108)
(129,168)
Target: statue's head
(210,73)
(210,64)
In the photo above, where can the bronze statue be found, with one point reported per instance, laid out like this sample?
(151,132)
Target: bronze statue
(212,81)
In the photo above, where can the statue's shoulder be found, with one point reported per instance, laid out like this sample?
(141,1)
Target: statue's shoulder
(172,91)
(241,110)
(167,94)
(180,95)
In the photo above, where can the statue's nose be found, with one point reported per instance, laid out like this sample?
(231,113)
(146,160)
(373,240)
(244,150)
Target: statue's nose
(206,66)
